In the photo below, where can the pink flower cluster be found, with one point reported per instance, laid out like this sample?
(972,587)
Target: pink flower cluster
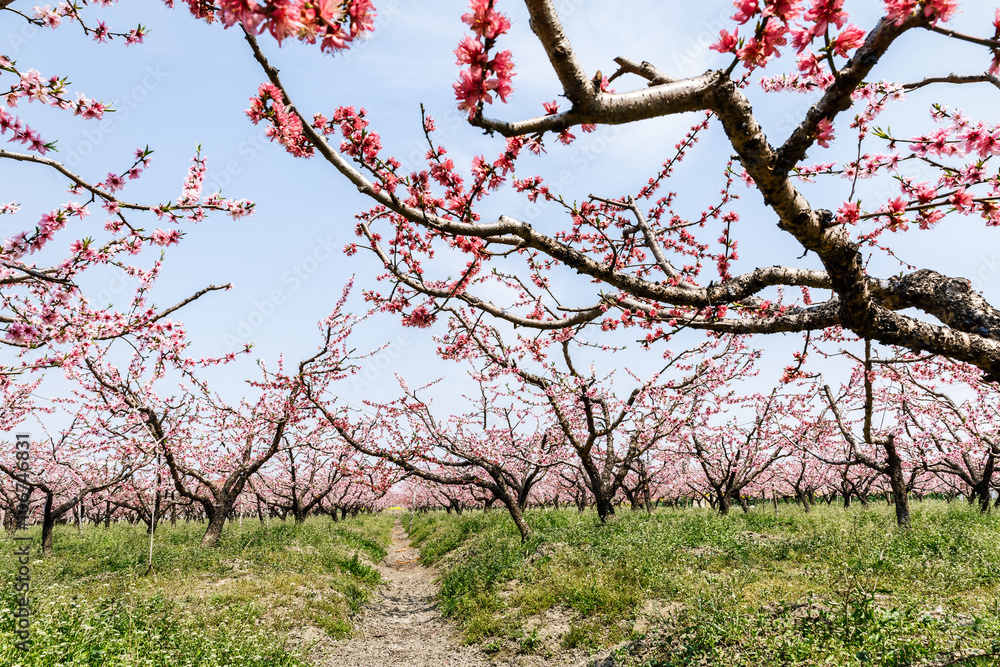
(333,23)
(49,17)
(483,76)
(20,132)
(359,142)
(961,137)
(193,183)
(419,317)
(995,63)
(954,189)
(50,223)
(898,11)
(286,128)
(779,21)
(163,237)
(33,87)
(115,182)
(89,109)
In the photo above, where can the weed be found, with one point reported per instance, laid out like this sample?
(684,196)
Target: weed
(232,605)
(831,587)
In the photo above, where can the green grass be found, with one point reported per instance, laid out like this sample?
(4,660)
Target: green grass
(831,587)
(233,605)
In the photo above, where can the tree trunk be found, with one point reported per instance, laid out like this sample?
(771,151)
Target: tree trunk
(216,522)
(801,497)
(605,507)
(724,502)
(517,516)
(983,488)
(744,503)
(155,518)
(898,483)
(48,523)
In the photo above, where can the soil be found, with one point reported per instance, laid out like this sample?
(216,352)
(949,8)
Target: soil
(402,626)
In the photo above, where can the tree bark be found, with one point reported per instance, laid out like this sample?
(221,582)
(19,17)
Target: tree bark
(216,522)
(900,497)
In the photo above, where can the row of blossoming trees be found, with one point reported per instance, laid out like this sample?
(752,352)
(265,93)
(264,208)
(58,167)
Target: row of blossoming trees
(915,414)
(549,436)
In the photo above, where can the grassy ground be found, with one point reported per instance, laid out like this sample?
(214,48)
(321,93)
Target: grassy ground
(233,605)
(687,587)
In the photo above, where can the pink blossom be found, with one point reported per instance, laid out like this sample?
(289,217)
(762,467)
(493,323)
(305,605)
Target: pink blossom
(470,52)
(727,42)
(962,201)
(897,206)
(335,39)
(89,109)
(22,333)
(362,14)
(114,182)
(925,192)
(824,132)
(50,18)
(928,219)
(486,21)
(503,67)
(851,38)
(469,89)
(810,64)
(286,128)
(898,11)
(982,141)
(420,318)
(849,212)
(162,237)
(786,10)
(940,10)
(101,32)
(824,12)
(801,37)
(475,81)
(135,36)
(284,18)
(746,10)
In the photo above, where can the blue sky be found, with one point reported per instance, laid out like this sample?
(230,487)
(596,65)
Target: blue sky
(190,82)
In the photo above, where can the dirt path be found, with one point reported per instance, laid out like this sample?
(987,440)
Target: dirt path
(402,626)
